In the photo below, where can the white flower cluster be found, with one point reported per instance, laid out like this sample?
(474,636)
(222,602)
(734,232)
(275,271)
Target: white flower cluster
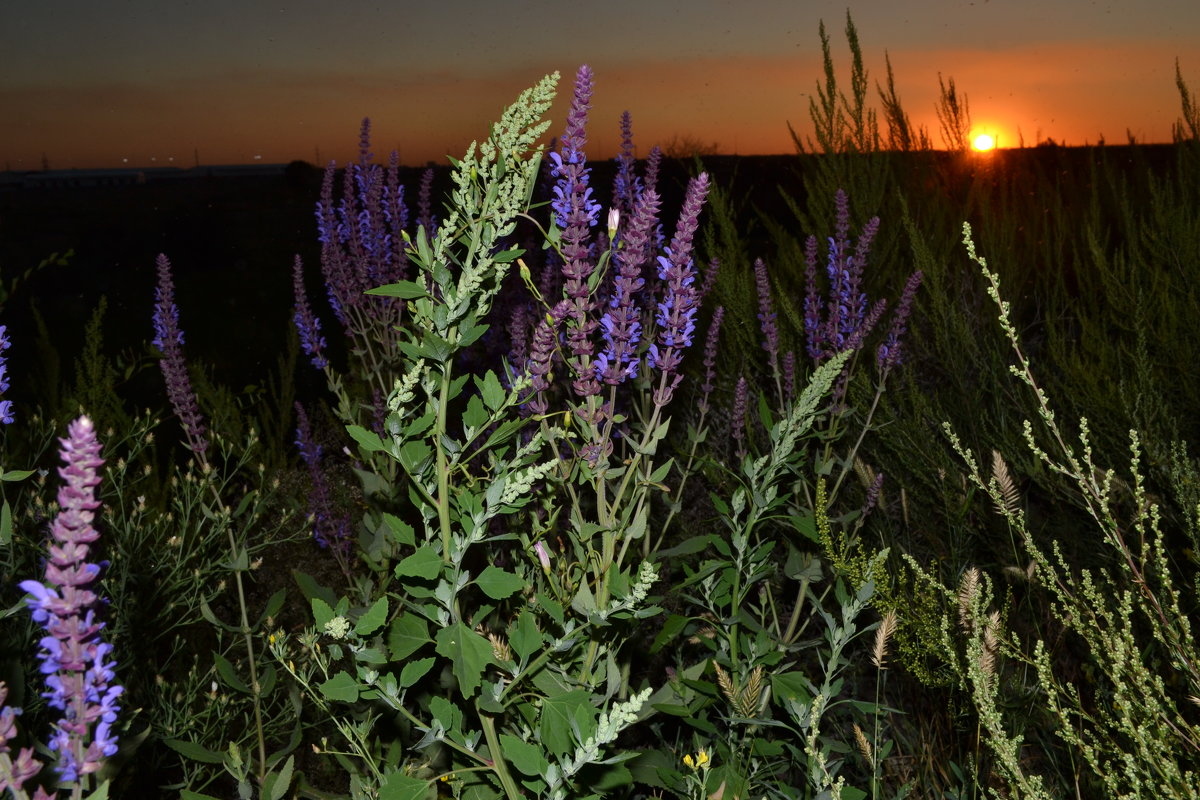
(520,483)
(608,727)
(405,389)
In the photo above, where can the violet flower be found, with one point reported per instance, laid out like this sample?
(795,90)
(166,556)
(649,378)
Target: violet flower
(541,355)
(168,338)
(577,213)
(329,530)
(890,353)
(14,773)
(677,308)
(621,325)
(710,358)
(6,412)
(741,400)
(627,187)
(766,316)
(76,663)
(307,325)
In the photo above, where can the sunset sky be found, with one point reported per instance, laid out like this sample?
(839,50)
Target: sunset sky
(158,82)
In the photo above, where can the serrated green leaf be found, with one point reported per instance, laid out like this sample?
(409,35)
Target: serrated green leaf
(407,634)
(401,531)
(476,416)
(373,618)
(340,687)
(560,715)
(524,636)
(491,390)
(499,584)
(469,652)
(401,787)
(527,758)
(415,670)
(425,563)
(322,613)
(368,440)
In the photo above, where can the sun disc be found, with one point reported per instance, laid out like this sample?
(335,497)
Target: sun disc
(983,142)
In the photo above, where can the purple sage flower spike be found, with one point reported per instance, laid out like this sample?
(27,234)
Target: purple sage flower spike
(76,663)
(168,338)
(307,325)
(6,412)
(890,353)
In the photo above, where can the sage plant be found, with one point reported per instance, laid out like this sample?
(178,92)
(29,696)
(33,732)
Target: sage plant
(76,662)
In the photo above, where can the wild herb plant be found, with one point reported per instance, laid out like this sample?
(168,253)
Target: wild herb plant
(1130,726)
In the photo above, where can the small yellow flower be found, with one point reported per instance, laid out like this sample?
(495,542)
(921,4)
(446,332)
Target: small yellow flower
(700,761)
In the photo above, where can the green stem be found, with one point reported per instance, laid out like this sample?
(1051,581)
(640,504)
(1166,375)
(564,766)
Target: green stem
(511,790)
(443,498)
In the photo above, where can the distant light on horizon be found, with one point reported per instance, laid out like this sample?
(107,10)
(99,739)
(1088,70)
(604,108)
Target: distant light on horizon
(984,142)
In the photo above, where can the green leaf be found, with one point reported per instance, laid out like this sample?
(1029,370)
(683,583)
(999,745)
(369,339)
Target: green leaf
(506,256)
(670,629)
(408,634)
(373,618)
(16,475)
(415,670)
(402,532)
(551,606)
(406,290)
(195,752)
(499,584)
(276,784)
(340,687)
(401,787)
(425,563)
(491,390)
(527,758)
(476,416)
(310,588)
(524,636)
(468,651)
(188,794)
(368,440)
(322,613)
(6,524)
(101,792)
(207,612)
(685,548)
(229,675)
(563,713)
(274,603)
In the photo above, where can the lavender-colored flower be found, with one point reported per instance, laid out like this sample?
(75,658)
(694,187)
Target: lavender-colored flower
(307,325)
(621,325)
(6,412)
(576,213)
(890,353)
(14,773)
(710,358)
(168,338)
(741,399)
(626,186)
(76,663)
(789,376)
(766,316)
(329,529)
(872,498)
(541,355)
(678,306)
(361,242)
(425,217)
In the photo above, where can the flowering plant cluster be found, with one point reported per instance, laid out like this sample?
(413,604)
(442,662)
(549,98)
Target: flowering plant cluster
(76,662)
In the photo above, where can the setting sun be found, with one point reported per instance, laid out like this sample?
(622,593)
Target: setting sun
(983,142)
